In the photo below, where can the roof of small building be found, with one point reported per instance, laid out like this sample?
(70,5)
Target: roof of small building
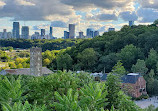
(129,78)
(26,71)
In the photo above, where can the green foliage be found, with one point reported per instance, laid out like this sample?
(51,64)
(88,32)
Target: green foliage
(41,89)
(46,62)
(139,67)
(10,90)
(152,59)
(113,84)
(12,65)
(156,22)
(45,44)
(129,54)
(68,102)
(87,58)
(150,82)
(119,69)
(107,62)
(63,91)
(64,62)
(91,98)
(4,57)
(19,66)
(151,108)
(23,107)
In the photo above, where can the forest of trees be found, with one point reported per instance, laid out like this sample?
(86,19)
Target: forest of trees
(45,44)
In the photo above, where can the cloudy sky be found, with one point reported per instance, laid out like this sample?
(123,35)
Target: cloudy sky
(96,14)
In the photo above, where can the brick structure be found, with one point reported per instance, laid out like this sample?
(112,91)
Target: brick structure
(134,85)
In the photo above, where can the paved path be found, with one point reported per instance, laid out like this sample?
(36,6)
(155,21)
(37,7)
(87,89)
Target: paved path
(147,102)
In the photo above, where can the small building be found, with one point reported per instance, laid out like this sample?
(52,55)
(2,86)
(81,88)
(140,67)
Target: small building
(24,71)
(133,84)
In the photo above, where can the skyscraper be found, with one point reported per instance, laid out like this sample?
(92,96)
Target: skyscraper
(66,35)
(51,32)
(71,31)
(96,33)
(4,35)
(111,29)
(25,32)
(81,35)
(131,23)
(16,30)
(89,32)
(42,33)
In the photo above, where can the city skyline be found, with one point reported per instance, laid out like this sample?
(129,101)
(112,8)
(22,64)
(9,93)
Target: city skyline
(100,15)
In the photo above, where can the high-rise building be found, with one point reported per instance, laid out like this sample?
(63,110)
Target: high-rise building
(71,31)
(51,32)
(89,32)
(66,34)
(25,32)
(16,30)
(9,34)
(131,23)
(36,61)
(36,35)
(4,35)
(42,33)
(111,29)
(96,33)
(81,35)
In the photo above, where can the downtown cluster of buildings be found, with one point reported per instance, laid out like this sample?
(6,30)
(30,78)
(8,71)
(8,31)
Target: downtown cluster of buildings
(90,33)
(24,33)
(71,33)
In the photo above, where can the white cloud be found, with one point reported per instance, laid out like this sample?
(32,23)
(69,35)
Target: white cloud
(147,15)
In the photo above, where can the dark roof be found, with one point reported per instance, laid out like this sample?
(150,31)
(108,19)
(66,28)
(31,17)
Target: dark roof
(103,78)
(125,79)
(130,79)
(26,71)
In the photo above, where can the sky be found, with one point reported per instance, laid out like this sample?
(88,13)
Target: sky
(96,14)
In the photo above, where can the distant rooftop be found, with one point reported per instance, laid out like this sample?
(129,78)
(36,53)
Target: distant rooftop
(133,74)
(24,71)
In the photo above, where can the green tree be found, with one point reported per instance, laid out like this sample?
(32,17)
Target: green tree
(150,82)
(12,65)
(152,59)
(129,55)
(113,84)
(119,69)
(139,67)
(19,66)
(107,62)
(10,90)
(156,22)
(64,61)
(93,97)
(46,62)
(87,58)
